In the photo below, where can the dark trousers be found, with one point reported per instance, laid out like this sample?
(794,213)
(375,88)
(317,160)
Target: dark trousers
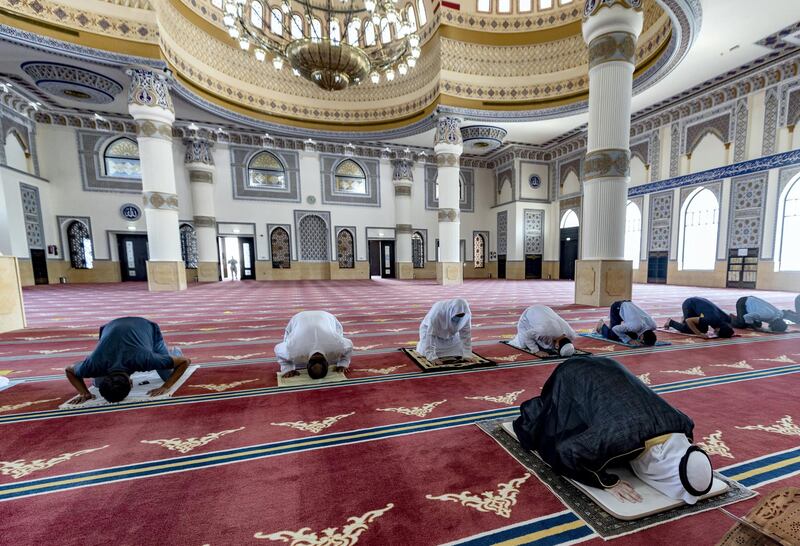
(680,326)
(741,311)
(615,318)
(794,316)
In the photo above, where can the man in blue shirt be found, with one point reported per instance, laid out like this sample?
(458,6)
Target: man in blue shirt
(752,312)
(698,315)
(127,345)
(794,316)
(629,324)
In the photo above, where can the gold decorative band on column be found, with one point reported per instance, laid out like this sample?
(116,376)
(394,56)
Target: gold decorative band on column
(402,190)
(593,6)
(614,46)
(449,215)
(403,228)
(201,176)
(205,221)
(447,160)
(159,200)
(608,163)
(153,129)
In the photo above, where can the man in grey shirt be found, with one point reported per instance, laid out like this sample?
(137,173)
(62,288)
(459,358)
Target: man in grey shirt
(752,312)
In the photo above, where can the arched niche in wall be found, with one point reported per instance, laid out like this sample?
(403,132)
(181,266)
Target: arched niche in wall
(571,184)
(708,153)
(18,155)
(638,172)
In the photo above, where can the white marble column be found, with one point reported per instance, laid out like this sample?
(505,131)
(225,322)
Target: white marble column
(200,166)
(610,28)
(151,107)
(448,147)
(402,179)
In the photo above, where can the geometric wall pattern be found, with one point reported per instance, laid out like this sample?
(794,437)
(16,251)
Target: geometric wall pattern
(312,235)
(32,211)
(660,221)
(502,232)
(770,122)
(748,196)
(534,231)
(740,145)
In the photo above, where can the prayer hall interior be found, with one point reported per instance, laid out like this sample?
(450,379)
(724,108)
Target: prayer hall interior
(230,169)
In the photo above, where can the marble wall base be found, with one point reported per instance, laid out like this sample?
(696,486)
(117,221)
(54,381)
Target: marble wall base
(166,276)
(550,269)
(12,311)
(515,270)
(449,273)
(208,272)
(404,270)
(714,278)
(602,282)
(769,279)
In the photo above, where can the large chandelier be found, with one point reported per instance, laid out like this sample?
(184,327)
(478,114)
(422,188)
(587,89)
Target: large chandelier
(332,43)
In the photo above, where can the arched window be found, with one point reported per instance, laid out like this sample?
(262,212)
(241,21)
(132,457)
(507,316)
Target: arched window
(81,255)
(369,33)
(479,251)
(276,21)
(313,234)
(352,32)
(279,249)
(524,6)
(418,250)
(297,26)
(266,171)
(188,246)
(217,3)
(633,233)
(546,4)
(787,248)
(421,13)
(570,220)
(335,32)
(350,178)
(345,250)
(503,6)
(386,31)
(411,17)
(316,30)
(121,159)
(485,6)
(257,15)
(699,238)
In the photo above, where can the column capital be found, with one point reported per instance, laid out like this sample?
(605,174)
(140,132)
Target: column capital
(198,153)
(149,91)
(448,135)
(611,16)
(402,169)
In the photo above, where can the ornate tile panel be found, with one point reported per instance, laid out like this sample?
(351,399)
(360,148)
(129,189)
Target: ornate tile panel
(534,231)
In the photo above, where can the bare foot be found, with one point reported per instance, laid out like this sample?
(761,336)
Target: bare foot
(340,369)
(293,373)
(599,327)
(666,324)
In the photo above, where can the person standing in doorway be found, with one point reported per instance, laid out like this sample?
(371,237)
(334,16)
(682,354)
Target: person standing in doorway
(233,264)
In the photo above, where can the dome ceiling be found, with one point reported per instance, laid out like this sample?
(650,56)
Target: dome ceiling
(528,66)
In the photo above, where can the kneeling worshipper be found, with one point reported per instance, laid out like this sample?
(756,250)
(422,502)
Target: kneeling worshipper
(446,331)
(593,413)
(314,340)
(700,314)
(794,316)
(753,312)
(126,346)
(629,324)
(540,329)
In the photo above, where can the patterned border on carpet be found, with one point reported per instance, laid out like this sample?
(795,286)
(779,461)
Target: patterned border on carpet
(427,366)
(553,354)
(595,517)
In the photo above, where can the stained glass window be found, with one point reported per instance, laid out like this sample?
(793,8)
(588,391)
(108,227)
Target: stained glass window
(479,251)
(418,250)
(266,171)
(279,248)
(350,178)
(189,246)
(81,255)
(344,249)
(121,159)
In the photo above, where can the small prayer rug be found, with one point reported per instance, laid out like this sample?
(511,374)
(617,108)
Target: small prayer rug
(677,333)
(776,517)
(595,335)
(551,353)
(303,379)
(143,382)
(450,363)
(603,523)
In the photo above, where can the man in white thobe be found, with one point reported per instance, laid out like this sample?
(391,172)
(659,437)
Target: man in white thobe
(446,331)
(313,340)
(541,330)
(629,324)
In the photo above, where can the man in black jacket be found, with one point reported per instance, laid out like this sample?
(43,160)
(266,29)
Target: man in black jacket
(594,414)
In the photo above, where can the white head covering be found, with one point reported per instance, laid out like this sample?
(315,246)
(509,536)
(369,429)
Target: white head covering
(443,317)
(567,350)
(663,468)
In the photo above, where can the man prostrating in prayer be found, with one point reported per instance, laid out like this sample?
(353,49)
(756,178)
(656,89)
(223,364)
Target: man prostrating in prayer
(314,340)
(594,414)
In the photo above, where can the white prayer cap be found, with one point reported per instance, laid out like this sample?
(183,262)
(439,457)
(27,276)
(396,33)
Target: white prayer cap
(675,468)
(567,350)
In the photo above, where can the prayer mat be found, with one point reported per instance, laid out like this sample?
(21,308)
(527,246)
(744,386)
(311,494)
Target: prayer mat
(776,517)
(586,508)
(551,353)
(450,363)
(303,379)
(142,383)
(595,335)
(677,333)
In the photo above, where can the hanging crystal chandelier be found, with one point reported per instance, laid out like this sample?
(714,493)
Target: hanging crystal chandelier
(333,43)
